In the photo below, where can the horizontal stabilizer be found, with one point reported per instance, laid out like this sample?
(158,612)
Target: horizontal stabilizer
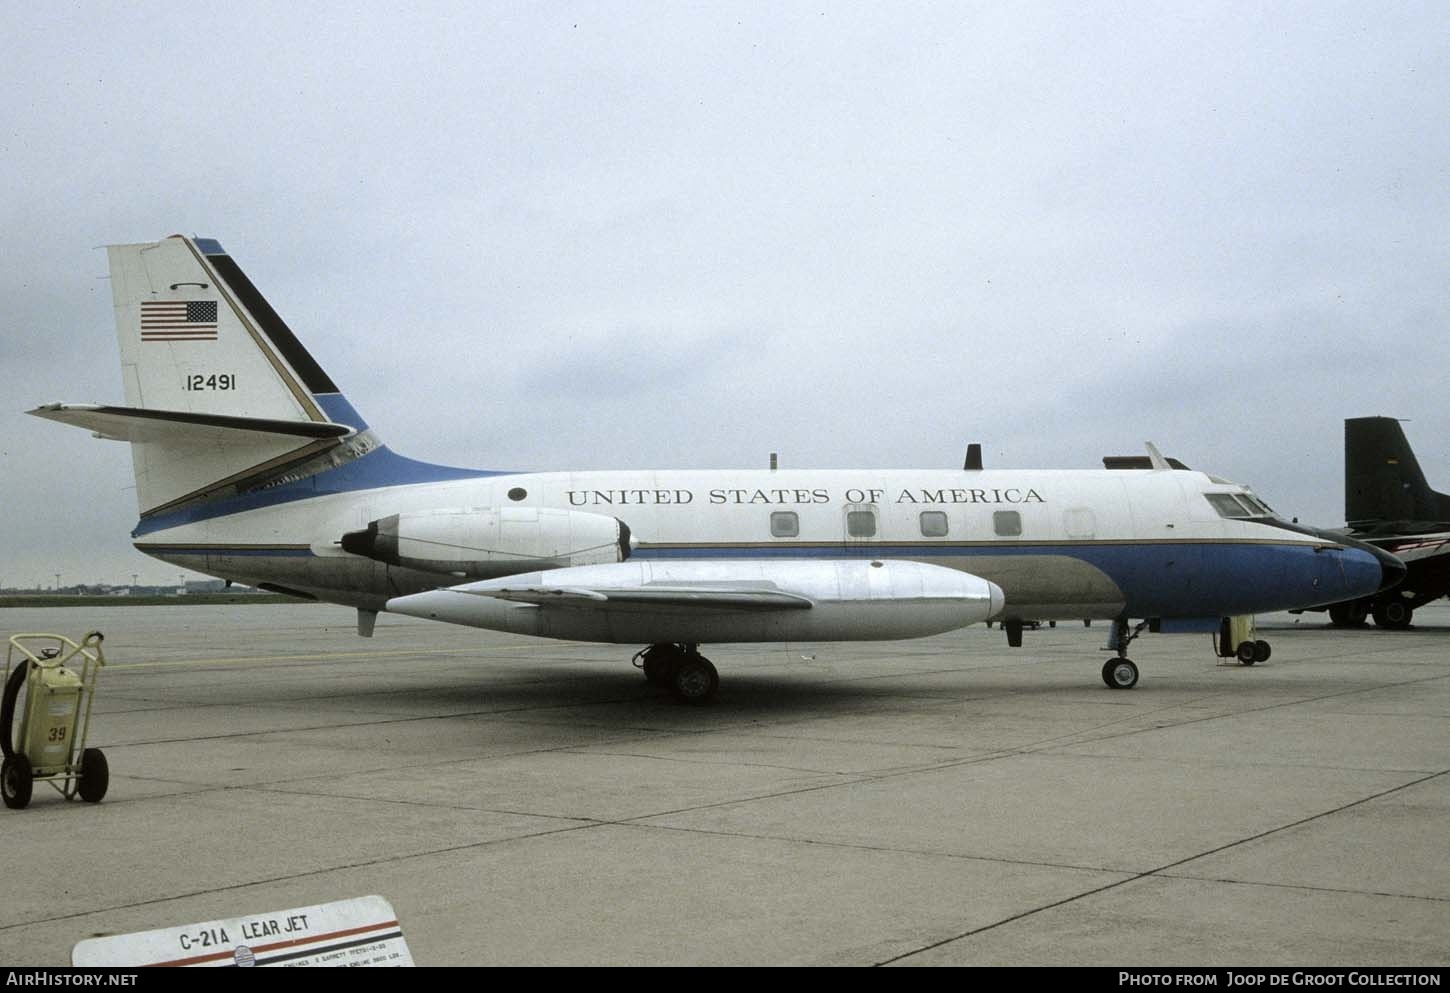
(653,596)
(144,425)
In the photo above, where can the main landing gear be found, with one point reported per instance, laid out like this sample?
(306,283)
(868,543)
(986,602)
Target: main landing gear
(1349,615)
(1395,612)
(681,669)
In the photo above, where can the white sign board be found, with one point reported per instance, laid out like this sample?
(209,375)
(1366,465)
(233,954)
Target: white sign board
(362,931)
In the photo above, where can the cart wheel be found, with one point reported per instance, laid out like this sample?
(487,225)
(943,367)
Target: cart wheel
(95,775)
(8,698)
(16,781)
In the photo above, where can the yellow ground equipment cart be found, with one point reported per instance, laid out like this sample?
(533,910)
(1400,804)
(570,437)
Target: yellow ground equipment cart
(1237,638)
(58,678)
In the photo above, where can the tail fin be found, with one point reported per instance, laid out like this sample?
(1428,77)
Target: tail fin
(220,394)
(1382,479)
(185,313)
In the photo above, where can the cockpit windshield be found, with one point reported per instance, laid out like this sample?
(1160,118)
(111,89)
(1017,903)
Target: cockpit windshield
(1239,506)
(1264,510)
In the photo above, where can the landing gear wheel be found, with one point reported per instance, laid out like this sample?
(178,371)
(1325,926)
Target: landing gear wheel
(1349,615)
(1262,651)
(1245,653)
(657,662)
(95,775)
(694,680)
(16,781)
(1393,614)
(1120,674)
(657,670)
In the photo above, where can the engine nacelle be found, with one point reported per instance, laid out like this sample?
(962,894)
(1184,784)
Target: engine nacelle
(485,542)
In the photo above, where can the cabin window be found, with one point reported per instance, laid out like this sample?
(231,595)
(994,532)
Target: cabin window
(933,524)
(1007,523)
(861,523)
(784,524)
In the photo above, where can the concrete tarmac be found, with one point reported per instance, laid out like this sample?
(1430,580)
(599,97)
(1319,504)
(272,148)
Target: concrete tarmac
(938,802)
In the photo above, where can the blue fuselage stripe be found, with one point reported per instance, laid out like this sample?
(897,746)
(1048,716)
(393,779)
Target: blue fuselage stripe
(378,468)
(1156,579)
(1177,579)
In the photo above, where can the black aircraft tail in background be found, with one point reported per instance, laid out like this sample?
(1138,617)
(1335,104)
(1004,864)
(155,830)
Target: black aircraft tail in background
(1388,504)
(1385,493)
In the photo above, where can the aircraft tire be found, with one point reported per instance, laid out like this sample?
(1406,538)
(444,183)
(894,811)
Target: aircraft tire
(658,662)
(1393,615)
(1245,653)
(694,680)
(1348,615)
(16,781)
(1120,674)
(95,775)
(657,672)
(1262,651)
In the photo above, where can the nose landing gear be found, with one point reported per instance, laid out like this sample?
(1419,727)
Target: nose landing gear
(1119,672)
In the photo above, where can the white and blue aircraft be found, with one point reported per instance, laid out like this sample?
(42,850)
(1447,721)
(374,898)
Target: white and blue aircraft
(252,466)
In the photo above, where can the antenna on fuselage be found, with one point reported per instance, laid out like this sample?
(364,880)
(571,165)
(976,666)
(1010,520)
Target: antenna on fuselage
(974,457)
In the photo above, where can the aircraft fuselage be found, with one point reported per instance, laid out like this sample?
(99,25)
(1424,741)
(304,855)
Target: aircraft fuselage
(1060,543)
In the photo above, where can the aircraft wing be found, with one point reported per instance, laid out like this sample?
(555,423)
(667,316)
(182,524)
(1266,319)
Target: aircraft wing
(694,597)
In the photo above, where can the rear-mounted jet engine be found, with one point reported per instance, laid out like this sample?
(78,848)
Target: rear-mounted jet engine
(484,543)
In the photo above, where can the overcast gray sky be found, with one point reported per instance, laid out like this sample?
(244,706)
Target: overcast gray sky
(597,235)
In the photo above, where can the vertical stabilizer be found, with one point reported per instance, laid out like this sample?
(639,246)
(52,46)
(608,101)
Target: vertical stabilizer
(196,338)
(192,340)
(1382,478)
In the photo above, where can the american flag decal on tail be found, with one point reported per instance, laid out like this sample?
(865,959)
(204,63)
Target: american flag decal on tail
(178,320)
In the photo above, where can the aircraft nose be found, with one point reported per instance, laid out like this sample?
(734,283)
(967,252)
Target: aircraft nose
(1369,570)
(1365,569)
